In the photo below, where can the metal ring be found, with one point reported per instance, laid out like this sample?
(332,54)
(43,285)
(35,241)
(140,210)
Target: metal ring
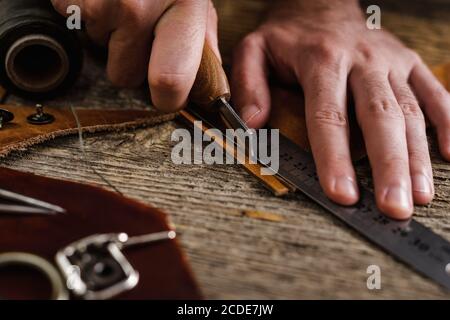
(59,291)
(25,79)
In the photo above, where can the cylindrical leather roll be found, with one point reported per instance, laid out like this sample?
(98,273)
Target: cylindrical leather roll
(39,55)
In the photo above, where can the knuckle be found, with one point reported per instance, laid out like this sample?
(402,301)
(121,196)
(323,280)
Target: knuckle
(384,108)
(408,103)
(330,116)
(336,163)
(92,10)
(169,83)
(419,157)
(405,93)
(328,52)
(411,109)
(414,57)
(367,52)
(249,42)
(134,13)
(394,161)
(60,5)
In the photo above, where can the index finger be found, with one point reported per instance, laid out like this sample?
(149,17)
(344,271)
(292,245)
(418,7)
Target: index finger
(176,53)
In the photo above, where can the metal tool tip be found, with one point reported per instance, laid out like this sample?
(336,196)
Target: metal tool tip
(60,211)
(171,235)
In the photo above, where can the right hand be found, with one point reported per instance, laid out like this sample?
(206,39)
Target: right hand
(158,40)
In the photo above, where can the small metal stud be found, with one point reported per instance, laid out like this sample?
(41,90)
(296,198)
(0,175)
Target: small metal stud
(40,117)
(5,117)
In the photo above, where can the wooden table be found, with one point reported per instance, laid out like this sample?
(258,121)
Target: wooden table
(307,253)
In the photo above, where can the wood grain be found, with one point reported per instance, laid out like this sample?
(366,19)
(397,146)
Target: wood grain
(274,184)
(19,134)
(308,253)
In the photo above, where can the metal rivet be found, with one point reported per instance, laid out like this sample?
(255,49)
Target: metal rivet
(40,117)
(447,269)
(5,117)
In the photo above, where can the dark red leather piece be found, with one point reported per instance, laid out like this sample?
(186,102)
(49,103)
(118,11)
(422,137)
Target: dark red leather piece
(164,272)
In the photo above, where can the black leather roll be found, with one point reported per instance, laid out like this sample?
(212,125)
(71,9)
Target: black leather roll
(39,55)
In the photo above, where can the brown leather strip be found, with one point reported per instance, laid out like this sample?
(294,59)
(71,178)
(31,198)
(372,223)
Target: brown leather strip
(19,134)
(2,93)
(271,182)
(443,74)
(163,269)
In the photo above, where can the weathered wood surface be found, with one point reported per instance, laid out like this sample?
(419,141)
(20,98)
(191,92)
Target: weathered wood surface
(306,253)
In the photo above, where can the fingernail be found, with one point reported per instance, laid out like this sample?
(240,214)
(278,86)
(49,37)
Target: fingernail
(345,186)
(421,184)
(398,197)
(250,112)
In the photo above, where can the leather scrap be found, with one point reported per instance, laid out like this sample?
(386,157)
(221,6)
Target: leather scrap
(260,215)
(163,269)
(271,182)
(2,94)
(443,74)
(20,134)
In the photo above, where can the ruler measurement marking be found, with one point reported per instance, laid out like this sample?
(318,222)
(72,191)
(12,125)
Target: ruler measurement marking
(409,241)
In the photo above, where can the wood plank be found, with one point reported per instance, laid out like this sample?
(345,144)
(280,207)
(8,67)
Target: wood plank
(305,254)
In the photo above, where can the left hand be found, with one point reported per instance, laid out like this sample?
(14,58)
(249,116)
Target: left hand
(325,50)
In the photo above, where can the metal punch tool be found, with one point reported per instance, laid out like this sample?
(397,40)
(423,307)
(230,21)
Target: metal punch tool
(15,203)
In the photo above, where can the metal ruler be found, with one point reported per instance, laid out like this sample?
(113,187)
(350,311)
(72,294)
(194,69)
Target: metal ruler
(409,241)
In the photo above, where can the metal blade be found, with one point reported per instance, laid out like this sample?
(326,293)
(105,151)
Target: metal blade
(8,195)
(409,241)
(18,209)
(233,121)
(232,118)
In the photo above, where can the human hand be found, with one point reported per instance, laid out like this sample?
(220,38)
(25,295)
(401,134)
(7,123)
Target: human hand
(158,40)
(325,47)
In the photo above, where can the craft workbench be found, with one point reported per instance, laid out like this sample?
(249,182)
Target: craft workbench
(296,250)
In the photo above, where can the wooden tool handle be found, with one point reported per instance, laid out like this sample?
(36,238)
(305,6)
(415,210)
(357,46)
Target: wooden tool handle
(211,83)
